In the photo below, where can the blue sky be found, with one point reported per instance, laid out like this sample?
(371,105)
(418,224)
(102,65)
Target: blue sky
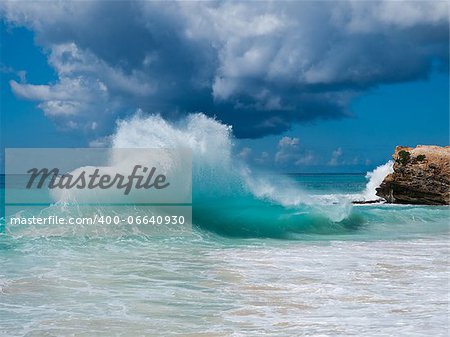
(407,114)
(307,87)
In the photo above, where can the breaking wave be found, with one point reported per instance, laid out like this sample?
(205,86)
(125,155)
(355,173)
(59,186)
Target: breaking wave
(232,199)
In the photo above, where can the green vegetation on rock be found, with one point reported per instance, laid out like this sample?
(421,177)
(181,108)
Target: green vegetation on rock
(403,157)
(420,157)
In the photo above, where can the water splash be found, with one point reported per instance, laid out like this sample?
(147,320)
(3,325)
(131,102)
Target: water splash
(375,178)
(228,197)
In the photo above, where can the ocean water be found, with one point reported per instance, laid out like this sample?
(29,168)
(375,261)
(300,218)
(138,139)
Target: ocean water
(276,255)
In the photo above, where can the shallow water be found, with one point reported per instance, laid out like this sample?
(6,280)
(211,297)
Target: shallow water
(381,271)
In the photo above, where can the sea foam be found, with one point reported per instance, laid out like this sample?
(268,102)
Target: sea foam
(375,178)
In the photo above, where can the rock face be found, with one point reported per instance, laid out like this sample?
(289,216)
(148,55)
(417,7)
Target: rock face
(421,176)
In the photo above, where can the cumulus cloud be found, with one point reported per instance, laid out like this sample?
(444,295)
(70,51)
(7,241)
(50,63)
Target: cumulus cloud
(308,158)
(259,66)
(245,153)
(288,142)
(287,149)
(290,152)
(336,157)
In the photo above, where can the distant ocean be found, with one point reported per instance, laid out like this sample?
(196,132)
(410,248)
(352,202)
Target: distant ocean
(293,260)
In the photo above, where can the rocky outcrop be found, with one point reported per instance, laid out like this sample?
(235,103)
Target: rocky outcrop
(421,176)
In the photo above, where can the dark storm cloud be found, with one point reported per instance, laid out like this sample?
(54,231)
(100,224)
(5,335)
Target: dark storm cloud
(259,66)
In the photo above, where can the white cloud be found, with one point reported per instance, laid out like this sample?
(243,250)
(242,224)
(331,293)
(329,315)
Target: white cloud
(287,149)
(101,142)
(245,153)
(288,142)
(336,157)
(367,16)
(307,158)
(71,96)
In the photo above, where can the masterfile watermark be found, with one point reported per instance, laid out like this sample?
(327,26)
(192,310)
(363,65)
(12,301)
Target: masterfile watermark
(148,179)
(98,191)
(98,175)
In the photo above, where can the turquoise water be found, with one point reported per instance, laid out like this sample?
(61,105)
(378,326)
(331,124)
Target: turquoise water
(300,262)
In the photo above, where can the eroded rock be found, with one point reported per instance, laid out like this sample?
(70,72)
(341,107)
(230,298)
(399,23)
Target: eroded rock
(421,176)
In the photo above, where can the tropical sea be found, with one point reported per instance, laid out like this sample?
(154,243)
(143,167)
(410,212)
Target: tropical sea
(255,267)
(268,254)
